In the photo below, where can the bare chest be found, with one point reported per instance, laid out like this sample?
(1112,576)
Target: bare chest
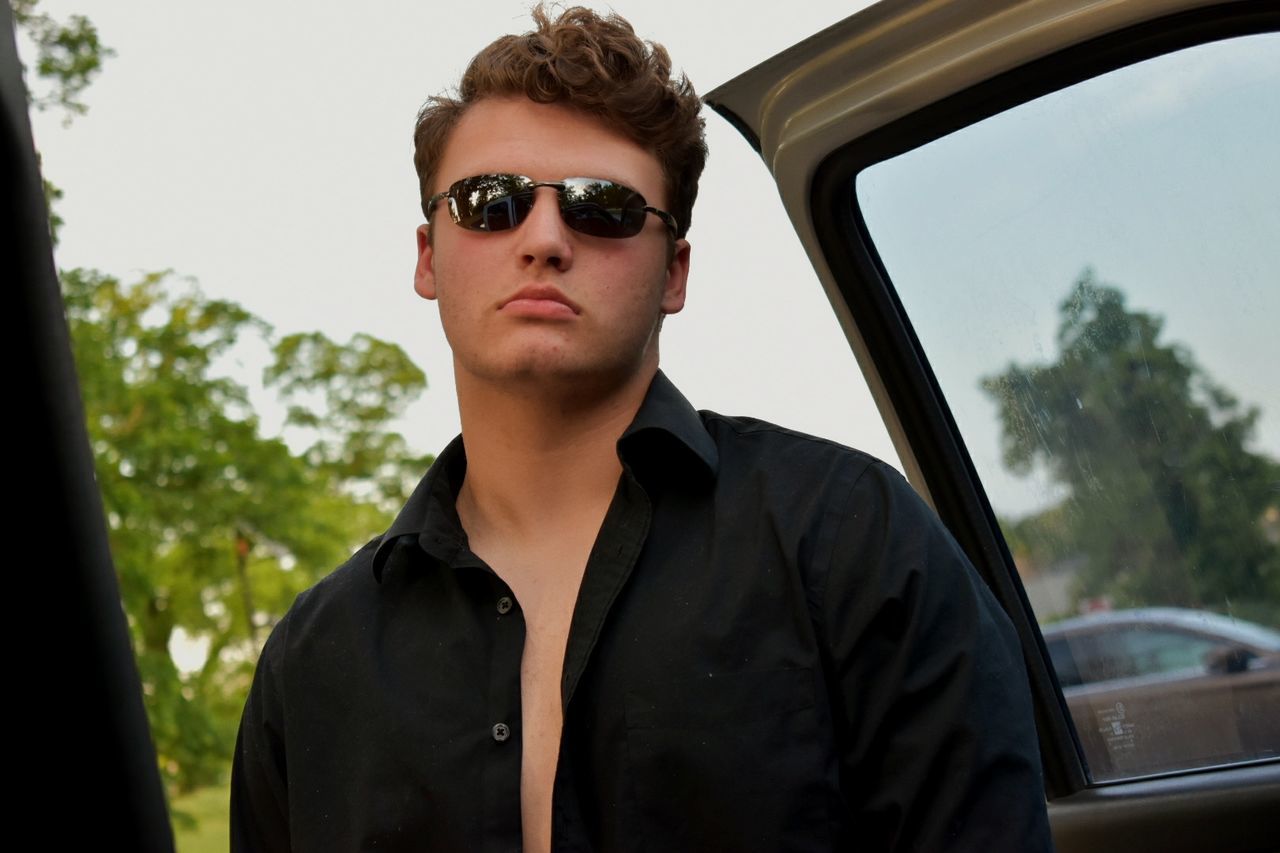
(546,588)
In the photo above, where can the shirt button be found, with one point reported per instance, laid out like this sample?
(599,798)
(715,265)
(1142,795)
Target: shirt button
(504,605)
(501,732)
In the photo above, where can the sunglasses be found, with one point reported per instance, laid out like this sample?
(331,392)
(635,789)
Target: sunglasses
(591,206)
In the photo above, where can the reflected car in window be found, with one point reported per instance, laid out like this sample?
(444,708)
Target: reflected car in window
(1163,688)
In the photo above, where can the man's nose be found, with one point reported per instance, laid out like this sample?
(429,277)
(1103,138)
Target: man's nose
(544,238)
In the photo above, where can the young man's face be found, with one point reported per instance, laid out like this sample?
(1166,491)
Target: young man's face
(542,303)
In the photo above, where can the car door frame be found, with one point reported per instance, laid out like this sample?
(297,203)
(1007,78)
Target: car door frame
(890,79)
(86,768)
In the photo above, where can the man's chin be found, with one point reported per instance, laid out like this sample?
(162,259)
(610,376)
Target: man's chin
(545,378)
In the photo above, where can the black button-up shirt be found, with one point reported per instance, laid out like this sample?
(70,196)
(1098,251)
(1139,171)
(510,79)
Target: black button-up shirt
(776,646)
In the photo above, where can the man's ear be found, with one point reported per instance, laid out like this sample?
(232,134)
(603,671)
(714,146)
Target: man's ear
(677,276)
(424,276)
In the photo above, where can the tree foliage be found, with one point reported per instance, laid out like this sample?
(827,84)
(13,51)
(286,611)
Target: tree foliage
(214,527)
(69,54)
(1167,502)
(342,396)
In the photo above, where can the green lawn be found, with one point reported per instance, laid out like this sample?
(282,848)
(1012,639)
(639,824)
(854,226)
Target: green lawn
(200,821)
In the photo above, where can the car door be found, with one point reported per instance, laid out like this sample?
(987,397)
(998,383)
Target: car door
(1049,230)
(1185,698)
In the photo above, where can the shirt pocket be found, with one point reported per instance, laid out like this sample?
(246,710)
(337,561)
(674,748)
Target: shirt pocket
(730,762)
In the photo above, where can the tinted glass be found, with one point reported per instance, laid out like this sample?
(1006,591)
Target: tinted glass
(602,209)
(1093,276)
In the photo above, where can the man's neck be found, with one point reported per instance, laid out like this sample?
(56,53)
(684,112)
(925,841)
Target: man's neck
(536,460)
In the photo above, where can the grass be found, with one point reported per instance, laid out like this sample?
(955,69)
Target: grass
(200,820)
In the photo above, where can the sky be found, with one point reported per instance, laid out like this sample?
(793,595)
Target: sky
(263,150)
(1163,177)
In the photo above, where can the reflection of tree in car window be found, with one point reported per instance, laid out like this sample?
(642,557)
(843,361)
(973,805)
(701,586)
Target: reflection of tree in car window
(1166,491)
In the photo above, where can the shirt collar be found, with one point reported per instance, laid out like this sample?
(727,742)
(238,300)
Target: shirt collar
(666,423)
(665,414)
(431,513)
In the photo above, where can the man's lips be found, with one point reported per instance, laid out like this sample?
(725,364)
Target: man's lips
(540,301)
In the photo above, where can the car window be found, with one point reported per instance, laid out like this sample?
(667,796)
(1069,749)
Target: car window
(1157,651)
(1063,655)
(1128,652)
(1093,276)
(1105,658)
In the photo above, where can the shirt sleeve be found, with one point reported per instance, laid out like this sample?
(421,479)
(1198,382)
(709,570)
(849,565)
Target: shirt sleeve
(259,781)
(936,739)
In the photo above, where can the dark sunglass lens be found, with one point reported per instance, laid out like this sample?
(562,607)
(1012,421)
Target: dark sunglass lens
(602,208)
(492,202)
(503,213)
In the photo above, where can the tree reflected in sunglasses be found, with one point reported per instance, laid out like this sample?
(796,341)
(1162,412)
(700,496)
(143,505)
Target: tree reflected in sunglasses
(593,206)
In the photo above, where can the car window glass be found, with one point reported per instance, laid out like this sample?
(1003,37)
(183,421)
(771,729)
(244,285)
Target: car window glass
(1093,277)
(1063,657)
(1107,657)
(1156,651)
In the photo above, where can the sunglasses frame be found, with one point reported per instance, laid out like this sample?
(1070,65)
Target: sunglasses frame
(560,186)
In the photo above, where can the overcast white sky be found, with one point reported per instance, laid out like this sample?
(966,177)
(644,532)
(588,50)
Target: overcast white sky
(1164,177)
(264,150)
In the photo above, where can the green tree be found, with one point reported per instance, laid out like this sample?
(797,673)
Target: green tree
(68,55)
(342,396)
(214,527)
(1167,502)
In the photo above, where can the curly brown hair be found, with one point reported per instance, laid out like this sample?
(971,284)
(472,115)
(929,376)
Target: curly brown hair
(593,63)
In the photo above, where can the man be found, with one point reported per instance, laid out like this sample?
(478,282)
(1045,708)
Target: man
(605,620)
